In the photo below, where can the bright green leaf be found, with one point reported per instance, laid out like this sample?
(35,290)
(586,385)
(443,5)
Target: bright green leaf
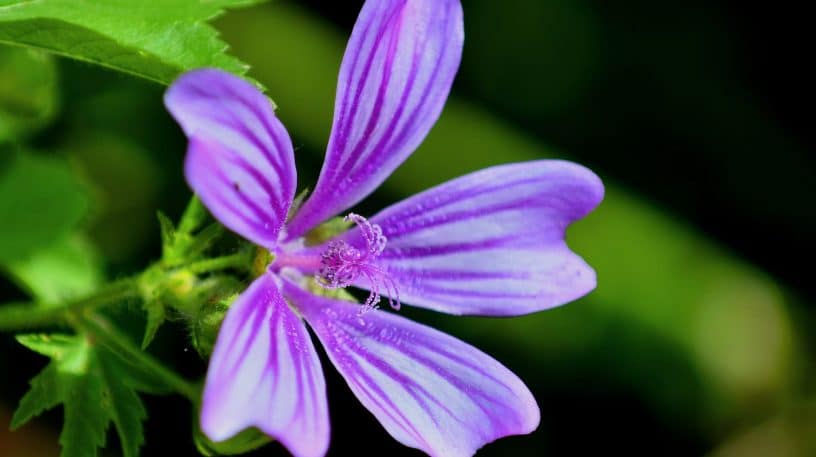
(68,269)
(28,91)
(54,346)
(40,201)
(153,40)
(96,388)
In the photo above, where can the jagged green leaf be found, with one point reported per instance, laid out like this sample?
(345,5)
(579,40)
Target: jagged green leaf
(149,39)
(126,409)
(43,395)
(96,388)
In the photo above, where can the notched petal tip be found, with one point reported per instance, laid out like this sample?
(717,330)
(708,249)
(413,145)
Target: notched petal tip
(396,74)
(240,159)
(491,242)
(584,186)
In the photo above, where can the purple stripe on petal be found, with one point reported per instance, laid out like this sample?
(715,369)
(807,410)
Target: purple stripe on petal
(240,160)
(492,242)
(264,373)
(429,390)
(395,77)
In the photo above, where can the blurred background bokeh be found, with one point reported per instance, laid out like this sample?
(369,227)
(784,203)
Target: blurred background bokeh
(698,339)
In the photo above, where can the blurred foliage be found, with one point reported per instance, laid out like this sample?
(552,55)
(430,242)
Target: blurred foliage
(66,269)
(125,184)
(41,199)
(787,434)
(28,92)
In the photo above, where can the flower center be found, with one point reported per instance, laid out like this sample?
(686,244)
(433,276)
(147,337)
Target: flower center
(341,264)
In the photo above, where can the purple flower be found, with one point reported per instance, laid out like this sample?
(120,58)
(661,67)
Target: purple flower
(489,243)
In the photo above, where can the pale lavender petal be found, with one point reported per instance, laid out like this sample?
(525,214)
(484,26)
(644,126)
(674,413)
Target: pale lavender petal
(429,390)
(240,160)
(491,242)
(264,373)
(395,77)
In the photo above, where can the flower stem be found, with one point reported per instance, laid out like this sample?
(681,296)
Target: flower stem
(105,332)
(19,316)
(22,316)
(237,260)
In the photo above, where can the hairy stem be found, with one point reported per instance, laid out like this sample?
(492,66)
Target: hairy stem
(108,334)
(29,315)
(237,260)
(19,316)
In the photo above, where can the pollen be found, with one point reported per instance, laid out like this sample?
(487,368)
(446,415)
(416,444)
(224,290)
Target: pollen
(342,264)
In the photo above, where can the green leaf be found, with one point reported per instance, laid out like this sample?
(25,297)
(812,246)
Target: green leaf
(68,269)
(86,419)
(28,91)
(54,346)
(126,408)
(43,395)
(155,41)
(96,388)
(40,201)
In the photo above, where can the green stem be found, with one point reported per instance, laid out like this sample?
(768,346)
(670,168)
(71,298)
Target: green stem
(237,260)
(107,333)
(23,316)
(32,315)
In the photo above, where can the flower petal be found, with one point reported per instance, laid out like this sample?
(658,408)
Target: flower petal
(240,160)
(429,390)
(264,372)
(395,77)
(491,242)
